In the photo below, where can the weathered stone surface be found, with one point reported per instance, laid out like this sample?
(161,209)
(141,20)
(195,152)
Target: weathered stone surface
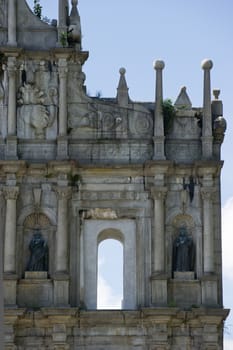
(85,169)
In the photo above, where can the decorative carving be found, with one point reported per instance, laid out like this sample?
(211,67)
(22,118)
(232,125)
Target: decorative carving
(36,220)
(183,220)
(3,11)
(98,213)
(33,113)
(11,192)
(141,124)
(207,194)
(158,193)
(63,192)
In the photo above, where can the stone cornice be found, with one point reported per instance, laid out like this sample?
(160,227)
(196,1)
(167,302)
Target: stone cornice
(155,167)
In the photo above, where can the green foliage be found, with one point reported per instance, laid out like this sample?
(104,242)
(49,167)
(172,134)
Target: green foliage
(74,179)
(172,303)
(169,113)
(63,39)
(37,8)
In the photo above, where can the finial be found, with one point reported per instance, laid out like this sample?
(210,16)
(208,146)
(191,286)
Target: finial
(159,64)
(122,89)
(206,64)
(122,71)
(216,93)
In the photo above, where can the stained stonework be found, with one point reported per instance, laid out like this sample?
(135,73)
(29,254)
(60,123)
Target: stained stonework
(81,170)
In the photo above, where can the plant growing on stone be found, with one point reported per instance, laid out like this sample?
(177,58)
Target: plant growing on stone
(63,39)
(169,113)
(37,8)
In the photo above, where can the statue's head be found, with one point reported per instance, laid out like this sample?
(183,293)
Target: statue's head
(183,231)
(37,237)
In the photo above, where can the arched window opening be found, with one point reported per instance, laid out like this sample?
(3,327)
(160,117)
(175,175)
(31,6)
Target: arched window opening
(110,274)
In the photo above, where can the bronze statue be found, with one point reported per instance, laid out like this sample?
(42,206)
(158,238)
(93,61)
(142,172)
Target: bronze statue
(183,251)
(39,253)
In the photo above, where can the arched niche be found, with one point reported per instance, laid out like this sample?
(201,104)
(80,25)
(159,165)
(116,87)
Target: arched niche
(184,224)
(31,223)
(95,231)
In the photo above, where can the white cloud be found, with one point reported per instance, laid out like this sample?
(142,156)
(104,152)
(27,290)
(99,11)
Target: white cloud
(107,298)
(228,344)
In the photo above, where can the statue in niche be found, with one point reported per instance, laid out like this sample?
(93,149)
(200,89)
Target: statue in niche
(38,247)
(183,251)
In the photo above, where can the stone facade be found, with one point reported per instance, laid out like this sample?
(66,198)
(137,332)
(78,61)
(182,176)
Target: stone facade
(81,170)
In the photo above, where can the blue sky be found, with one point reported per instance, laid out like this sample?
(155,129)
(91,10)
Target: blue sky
(132,34)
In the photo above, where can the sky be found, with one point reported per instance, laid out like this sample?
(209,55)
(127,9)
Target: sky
(134,33)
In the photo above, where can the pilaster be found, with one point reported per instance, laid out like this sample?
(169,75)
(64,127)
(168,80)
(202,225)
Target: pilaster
(62,71)
(61,277)
(10,278)
(12,39)
(158,278)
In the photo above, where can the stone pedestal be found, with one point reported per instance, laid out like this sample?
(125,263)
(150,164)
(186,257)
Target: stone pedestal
(41,275)
(184,275)
(62,148)
(159,290)
(10,284)
(209,289)
(36,290)
(61,290)
(11,148)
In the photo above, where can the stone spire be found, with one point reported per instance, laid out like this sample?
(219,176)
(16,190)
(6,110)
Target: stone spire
(122,90)
(158,116)
(207,137)
(75,35)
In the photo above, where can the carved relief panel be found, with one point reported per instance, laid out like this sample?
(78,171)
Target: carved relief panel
(37,101)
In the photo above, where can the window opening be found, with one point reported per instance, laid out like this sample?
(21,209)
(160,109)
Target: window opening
(110,274)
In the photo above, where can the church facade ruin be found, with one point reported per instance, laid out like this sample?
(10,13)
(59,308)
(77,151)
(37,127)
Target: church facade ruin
(77,170)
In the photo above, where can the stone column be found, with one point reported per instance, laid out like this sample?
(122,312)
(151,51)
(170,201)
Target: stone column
(12,23)
(158,116)
(208,235)
(11,68)
(62,150)
(159,279)
(10,277)
(158,195)
(62,232)
(61,278)
(11,194)
(11,147)
(62,70)
(207,136)
(209,280)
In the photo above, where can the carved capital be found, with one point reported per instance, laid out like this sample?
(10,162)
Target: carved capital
(11,192)
(63,192)
(159,193)
(11,67)
(62,68)
(207,194)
